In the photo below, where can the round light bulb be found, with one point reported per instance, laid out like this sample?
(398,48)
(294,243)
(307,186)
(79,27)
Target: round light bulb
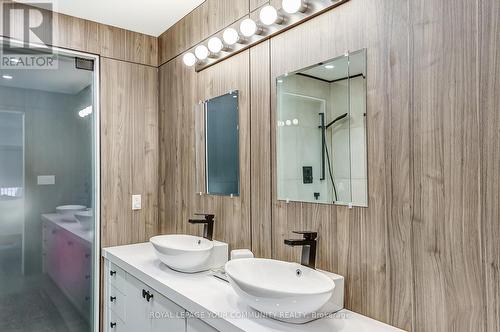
(295,122)
(288,122)
(248,27)
(201,52)
(292,6)
(231,36)
(215,45)
(268,15)
(189,59)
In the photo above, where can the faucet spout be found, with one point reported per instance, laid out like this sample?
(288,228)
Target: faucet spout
(308,244)
(208,222)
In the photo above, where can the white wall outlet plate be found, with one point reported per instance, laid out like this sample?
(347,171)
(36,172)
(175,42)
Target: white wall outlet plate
(45,180)
(136,202)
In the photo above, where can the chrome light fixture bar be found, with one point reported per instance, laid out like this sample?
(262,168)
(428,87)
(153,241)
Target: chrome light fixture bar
(262,24)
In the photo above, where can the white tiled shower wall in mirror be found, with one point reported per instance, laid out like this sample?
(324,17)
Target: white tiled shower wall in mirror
(301,99)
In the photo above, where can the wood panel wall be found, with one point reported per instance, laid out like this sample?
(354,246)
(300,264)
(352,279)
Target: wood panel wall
(129,152)
(88,36)
(178,198)
(489,124)
(424,256)
(205,20)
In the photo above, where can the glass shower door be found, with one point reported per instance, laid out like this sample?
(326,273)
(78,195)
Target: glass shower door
(48,193)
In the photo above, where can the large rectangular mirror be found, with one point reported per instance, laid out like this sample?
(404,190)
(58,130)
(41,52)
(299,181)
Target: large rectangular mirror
(321,133)
(217,145)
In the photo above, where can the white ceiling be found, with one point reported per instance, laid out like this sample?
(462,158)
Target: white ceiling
(65,79)
(340,68)
(151,17)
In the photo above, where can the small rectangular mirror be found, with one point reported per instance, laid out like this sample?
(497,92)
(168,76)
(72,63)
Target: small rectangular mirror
(219,146)
(321,133)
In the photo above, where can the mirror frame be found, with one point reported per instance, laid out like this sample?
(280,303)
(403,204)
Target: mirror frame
(366,126)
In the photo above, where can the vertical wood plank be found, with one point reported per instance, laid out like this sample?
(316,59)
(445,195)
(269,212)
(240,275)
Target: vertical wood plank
(145,147)
(489,101)
(233,224)
(205,20)
(260,144)
(116,157)
(129,151)
(127,45)
(447,239)
(181,89)
(378,270)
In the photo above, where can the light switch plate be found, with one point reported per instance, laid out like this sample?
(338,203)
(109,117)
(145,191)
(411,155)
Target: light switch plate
(136,202)
(44,180)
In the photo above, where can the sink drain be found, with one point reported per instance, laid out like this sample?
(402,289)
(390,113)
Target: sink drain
(298,273)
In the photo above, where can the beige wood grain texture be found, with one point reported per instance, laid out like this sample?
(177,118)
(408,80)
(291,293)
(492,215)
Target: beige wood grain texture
(208,18)
(87,36)
(489,101)
(178,198)
(145,148)
(356,242)
(129,151)
(415,258)
(127,45)
(234,212)
(177,100)
(254,4)
(260,145)
(77,34)
(447,260)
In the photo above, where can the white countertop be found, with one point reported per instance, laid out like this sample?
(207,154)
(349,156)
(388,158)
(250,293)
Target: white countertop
(203,294)
(70,224)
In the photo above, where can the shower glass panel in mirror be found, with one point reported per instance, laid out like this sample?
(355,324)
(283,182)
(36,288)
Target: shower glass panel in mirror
(217,146)
(321,133)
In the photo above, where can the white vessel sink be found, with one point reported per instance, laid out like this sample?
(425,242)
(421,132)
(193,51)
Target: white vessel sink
(281,290)
(183,253)
(70,209)
(85,219)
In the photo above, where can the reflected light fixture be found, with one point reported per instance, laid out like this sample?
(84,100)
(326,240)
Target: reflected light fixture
(269,15)
(7,77)
(201,52)
(215,45)
(189,59)
(293,6)
(231,36)
(329,66)
(248,27)
(85,112)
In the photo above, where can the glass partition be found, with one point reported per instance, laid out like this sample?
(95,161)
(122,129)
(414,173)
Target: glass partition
(48,191)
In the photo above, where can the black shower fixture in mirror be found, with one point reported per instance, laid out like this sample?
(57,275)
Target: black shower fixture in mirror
(321,132)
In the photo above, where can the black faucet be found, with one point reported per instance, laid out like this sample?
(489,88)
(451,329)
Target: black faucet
(308,244)
(208,228)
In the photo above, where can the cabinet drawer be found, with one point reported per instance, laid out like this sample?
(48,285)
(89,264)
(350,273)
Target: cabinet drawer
(115,301)
(196,325)
(113,323)
(115,276)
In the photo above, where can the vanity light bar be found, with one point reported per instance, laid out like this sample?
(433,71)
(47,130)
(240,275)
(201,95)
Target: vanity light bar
(262,24)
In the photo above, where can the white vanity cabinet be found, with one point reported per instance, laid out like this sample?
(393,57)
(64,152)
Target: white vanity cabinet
(67,260)
(132,306)
(197,325)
